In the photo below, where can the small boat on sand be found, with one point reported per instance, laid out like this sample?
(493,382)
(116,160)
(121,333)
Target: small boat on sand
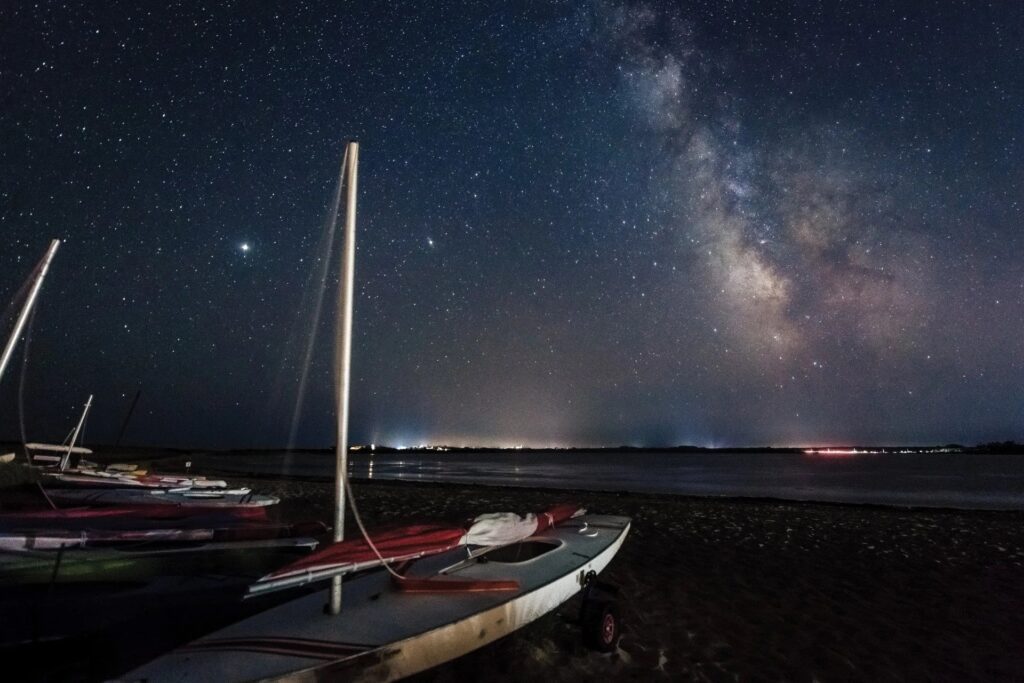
(51,454)
(126,516)
(243,497)
(89,478)
(455,603)
(145,561)
(143,536)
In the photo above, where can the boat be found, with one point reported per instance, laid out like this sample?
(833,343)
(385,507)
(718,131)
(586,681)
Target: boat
(128,516)
(63,539)
(433,595)
(116,479)
(82,483)
(96,487)
(50,454)
(151,496)
(124,467)
(143,536)
(81,479)
(144,561)
(384,632)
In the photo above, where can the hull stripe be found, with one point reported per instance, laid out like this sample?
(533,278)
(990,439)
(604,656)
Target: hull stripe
(295,647)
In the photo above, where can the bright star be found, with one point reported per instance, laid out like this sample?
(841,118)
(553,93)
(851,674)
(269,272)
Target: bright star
(245,247)
(430,242)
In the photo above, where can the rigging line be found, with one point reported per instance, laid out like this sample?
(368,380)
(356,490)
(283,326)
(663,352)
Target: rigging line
(320,282)
(81,432)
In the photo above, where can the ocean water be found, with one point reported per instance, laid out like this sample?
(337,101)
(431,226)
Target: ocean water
(976,481)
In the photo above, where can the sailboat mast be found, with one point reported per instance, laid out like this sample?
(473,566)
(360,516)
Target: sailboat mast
(343,356)
(27,308)
(74,437)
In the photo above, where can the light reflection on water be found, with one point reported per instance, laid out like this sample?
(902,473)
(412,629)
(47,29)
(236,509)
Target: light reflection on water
(934,479)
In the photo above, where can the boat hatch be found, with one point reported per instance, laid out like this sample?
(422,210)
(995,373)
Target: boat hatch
(520,552)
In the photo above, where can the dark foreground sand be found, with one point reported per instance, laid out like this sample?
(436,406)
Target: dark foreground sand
(711,589)
(715,589)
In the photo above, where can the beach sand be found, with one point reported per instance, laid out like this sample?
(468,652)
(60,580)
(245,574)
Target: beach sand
(715,589)
(719,589)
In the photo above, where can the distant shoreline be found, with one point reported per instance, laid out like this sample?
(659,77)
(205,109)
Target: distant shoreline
(106,451)
(254,479)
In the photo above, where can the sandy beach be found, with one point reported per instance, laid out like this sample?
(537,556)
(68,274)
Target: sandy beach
(710,589)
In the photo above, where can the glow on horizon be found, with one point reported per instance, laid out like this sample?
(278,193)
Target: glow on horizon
(405,443)
(837,451)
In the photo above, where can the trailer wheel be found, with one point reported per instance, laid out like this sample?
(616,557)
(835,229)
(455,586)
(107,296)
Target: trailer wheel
(601,625)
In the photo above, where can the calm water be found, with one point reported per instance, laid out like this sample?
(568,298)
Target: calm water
(940,480)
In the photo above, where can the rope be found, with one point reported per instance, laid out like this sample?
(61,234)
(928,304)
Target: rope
(362,529)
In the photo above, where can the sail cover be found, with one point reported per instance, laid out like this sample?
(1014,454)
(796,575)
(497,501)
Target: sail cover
(502,528)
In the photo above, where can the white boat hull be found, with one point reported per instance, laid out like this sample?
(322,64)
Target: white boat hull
(384,634)
(148,496)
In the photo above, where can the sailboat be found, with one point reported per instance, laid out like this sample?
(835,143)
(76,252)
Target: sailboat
(419,597)
(86,484)
(150,525)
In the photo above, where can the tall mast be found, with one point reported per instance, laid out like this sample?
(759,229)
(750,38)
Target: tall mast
(343,356)
(44,266)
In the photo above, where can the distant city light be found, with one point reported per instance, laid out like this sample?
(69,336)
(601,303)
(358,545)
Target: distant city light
(836,451)
(863,451)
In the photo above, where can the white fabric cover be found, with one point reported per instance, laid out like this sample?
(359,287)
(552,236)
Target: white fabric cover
(501,528)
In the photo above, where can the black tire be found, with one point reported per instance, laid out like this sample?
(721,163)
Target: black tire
(601,625)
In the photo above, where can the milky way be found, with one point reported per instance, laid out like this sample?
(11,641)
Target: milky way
(580,223)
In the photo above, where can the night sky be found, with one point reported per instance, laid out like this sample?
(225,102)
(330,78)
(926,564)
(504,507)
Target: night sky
(718,223)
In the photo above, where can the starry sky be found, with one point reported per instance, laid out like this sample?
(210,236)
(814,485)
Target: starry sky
(716,223)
